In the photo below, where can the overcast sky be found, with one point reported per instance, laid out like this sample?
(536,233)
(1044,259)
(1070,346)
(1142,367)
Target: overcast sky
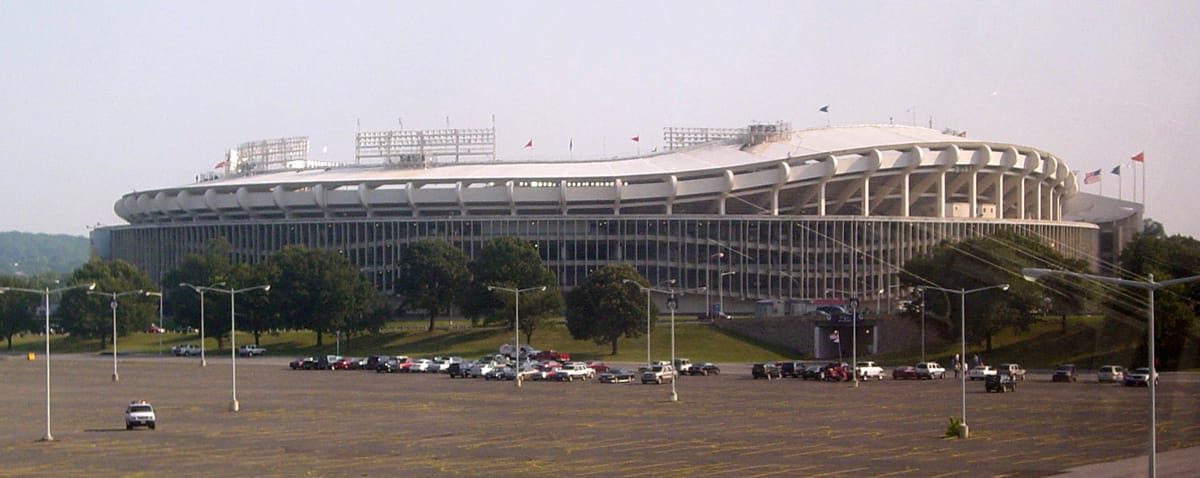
(100,98)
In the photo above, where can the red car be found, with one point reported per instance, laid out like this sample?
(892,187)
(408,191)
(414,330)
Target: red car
(599,367)
(551,355)
(906,372)
(345,364)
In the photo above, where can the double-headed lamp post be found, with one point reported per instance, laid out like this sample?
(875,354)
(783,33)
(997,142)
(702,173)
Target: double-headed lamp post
(647,290)
(112,304)
(201,290)
(1033,274)
(962,296)
(233,405)
(45,293)
(517,321)
(160,317)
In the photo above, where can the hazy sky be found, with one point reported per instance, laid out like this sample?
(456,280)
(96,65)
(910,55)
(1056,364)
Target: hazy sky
(100,98)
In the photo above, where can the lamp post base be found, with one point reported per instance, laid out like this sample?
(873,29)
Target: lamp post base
(233,406)
(518,380)
(203,363)
(674,397)
(115,377)
(48,437)
(963,431)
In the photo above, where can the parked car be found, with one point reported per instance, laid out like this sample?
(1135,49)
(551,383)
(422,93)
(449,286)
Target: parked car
(1140,378)
(868,370)
(813,371)
(481,368)
(704,368)
(765,370)
(325,362)
(552,355)
(659,374)
(599,367)
(154,329)
(457,369)
(302,363)
(421,365)
(930,370)
(344,363)
(399,363)
(617,375)
(251,350)
(373,362)
(139,413)
(1013,370)
(185,350)
(791,368)
(1110,374)
(835,372)
(1064,373)
(905,372)
(980,372)
(1000,383)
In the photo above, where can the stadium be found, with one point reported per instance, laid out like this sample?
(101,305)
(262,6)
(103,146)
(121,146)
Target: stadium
(760,213)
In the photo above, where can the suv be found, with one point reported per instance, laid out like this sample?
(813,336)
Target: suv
(185,350)
(251,350)
(1110,374)
(138,414)
(659,374)
(765,370)
(1064,373)
(791,369)
(1013,370)
(930,370)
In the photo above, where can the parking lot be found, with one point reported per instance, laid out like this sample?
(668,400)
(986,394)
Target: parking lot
(356,423)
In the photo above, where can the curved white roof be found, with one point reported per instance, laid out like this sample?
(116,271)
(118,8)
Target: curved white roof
(886,169)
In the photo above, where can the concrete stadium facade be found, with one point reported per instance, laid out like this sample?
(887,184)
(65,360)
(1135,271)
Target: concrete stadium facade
(771,214)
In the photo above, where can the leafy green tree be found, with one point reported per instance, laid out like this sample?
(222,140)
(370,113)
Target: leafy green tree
(432,277)
(211,267)
(515,264)
(984,261)
(318,290)
(90,316)
(604,308)
(18,310)
(255,314)
(1175,308)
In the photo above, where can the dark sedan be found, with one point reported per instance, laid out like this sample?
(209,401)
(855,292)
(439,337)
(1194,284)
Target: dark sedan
(905,372)
(617,375)
(703,368)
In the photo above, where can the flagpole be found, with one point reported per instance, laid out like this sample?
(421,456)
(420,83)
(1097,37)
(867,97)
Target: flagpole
(1134,168)
(1143,187)
(1120,184)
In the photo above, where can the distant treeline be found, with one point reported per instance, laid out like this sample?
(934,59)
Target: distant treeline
(34,254)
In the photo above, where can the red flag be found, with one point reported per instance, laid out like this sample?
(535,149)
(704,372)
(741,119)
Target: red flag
(529,144)
(222,164)
(1140,157)
(637,139)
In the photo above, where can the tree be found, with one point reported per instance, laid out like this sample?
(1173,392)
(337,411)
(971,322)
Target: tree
(255,314)
(318,290)
(431,277)
(90,316)
(515,264)
(990,260)
(18,311)
(211,267)
(604,309)
(1175,308)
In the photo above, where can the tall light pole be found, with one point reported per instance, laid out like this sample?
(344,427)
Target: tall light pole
(853,299)
(112,304)
(648,290)
(517,321)
(46,296)
(721,291)
(1033,274)
(160,317)
(962,298)
(201,289)
(233,405)
(923,308)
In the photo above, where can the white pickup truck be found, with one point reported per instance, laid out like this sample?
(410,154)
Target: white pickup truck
(139,413)
(869,370)
(572,371)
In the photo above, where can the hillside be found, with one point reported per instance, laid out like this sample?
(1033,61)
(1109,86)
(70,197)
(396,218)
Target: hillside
(23,253)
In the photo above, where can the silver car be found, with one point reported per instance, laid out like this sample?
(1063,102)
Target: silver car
(1110,374)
